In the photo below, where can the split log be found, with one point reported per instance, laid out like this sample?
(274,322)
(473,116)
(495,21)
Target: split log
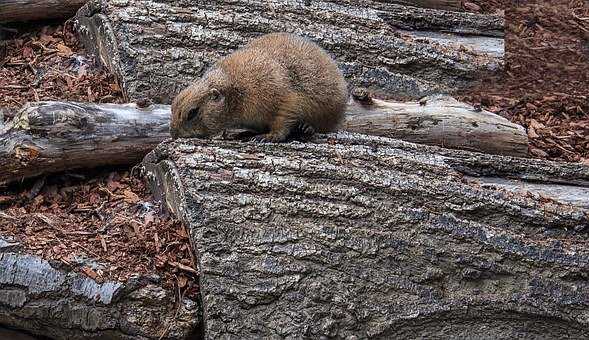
(355,237)
(48,137)
(47,299)
(29,10)
(156,48)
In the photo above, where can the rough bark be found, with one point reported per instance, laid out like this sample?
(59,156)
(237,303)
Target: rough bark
(48,137)
(47,299)
(156,48)
(354,237)
(29,10)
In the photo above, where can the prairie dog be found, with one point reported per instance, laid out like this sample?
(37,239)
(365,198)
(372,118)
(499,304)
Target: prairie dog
(278,86)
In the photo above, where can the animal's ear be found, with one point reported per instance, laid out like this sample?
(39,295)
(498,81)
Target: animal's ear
(216,95)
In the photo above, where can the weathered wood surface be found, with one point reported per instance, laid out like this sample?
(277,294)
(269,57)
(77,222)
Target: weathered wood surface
(157,48)
(441,121)
(48,137)
(355,237)
(451,5)
(47,299)
(29,10)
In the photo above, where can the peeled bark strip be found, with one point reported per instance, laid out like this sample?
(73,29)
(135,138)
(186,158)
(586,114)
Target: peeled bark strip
(48,137)
(355,237)
(44,299)
(29,10)
(156,48)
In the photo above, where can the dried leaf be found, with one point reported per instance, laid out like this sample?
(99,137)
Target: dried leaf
(149,218)
(131,197)
(103,243)
(46,39)
(63,50)
(82,71)
(115,87)
(27,52)
(89,272)
(182,281)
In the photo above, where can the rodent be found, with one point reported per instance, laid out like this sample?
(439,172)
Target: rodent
(279,86)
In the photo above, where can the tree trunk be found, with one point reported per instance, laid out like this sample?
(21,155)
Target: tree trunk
(156,48)
(48,137)
(354,237)
(46,299)
(29,10)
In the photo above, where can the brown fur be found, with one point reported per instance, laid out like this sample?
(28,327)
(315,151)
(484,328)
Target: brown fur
(278,85)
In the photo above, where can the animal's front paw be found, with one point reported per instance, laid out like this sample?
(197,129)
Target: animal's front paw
(268,138)
(305,129)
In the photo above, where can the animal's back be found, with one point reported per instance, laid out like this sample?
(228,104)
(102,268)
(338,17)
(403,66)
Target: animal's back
(310,72)
(309,66)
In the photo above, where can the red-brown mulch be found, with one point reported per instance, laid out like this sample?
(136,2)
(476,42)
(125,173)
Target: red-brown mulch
(486,6)
(108,217)
(545,87)
(50,64)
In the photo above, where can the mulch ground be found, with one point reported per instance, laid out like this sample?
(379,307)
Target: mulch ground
(109,216)
(102,223)
(48,63)
(545,86)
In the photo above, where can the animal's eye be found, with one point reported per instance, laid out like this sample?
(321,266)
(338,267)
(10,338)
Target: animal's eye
(193,113)
(215,95)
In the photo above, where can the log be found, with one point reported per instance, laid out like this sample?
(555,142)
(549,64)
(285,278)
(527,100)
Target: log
(30,10)
(49,137)
(441,121)
(156,48)
(356,237)
(48,299)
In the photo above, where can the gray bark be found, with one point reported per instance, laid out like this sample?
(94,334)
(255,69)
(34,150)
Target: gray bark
(47,299)
(156,48)
(29,10)
(354,237)
(48,137)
